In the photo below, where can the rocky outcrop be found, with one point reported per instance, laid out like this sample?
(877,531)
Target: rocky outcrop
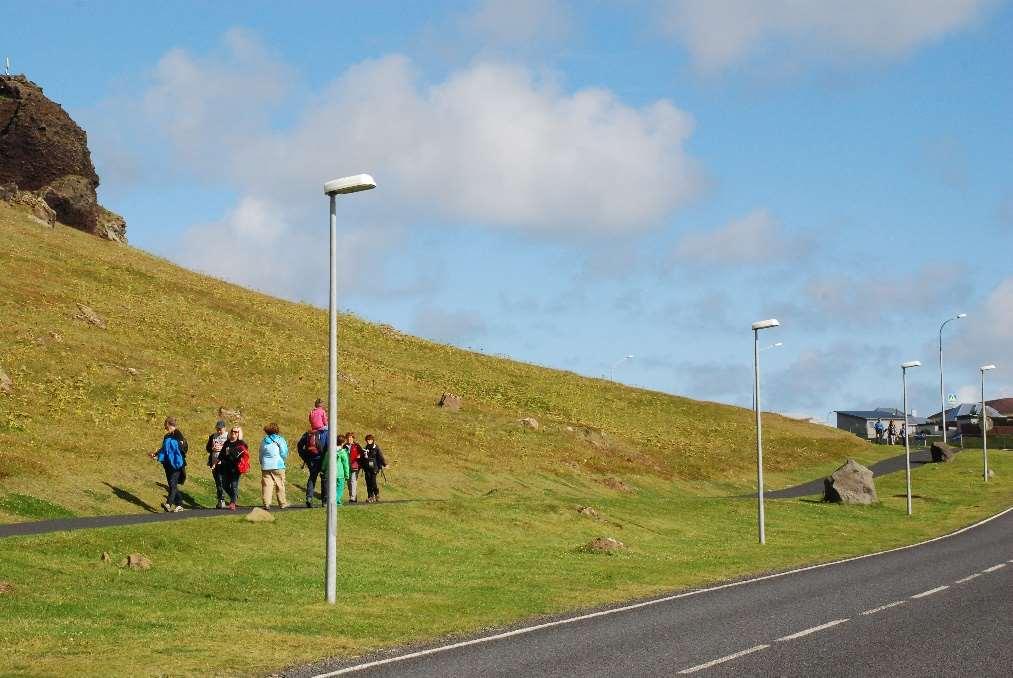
(449,401)
(850,484)
(43,152)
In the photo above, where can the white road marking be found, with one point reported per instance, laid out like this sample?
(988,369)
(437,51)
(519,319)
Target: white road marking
(814,629)
(967,579)
(701,667)
(647,603)
(930,592)
(994,567)
(884,607)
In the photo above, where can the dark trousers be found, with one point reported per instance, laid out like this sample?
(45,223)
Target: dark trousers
(172,480)
(230,483)
(311,482)
(219,477)
(372,489)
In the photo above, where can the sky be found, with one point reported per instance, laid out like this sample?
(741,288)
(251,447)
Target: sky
(568,183)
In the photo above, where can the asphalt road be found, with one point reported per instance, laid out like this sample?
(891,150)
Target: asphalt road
(943,608)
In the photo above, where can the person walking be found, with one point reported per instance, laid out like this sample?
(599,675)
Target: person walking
(172,456)
(879,431)
(372,462)
(233,463)
(312,456)
(214,448)
(342,471)
(273,453)
(891,433)
(354,452)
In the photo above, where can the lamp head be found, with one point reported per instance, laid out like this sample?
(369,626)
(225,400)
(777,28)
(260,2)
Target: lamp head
(764,324)
(912,363)
(985,368)
(961,315)
(629,357)
(353,184)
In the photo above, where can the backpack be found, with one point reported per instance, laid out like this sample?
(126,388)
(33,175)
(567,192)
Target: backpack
(309,451)
(243,466)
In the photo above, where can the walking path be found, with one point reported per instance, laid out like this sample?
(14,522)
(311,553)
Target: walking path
(880,468)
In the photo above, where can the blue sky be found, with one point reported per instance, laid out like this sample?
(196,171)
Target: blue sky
(570,182)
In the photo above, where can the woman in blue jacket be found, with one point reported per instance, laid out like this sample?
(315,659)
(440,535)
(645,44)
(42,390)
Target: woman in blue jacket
(273,453)
(172,455)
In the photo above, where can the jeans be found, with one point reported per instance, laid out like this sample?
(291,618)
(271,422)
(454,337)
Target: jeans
(230,483)
(172,480)
(219,477)
(311,483)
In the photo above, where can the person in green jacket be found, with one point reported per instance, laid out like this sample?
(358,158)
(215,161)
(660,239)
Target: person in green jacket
(343,470)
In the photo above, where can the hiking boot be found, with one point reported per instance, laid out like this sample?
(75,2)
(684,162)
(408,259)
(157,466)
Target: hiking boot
(283,506)
(309,504)
(177,509)
(267,508)
(232,506)
(167,506)
(221,503)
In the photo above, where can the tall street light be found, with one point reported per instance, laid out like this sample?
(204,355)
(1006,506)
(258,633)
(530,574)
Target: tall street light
(757,326)
(612,371)
(983,418)
(907,431)
(942,392)
(332,189)
(776,344)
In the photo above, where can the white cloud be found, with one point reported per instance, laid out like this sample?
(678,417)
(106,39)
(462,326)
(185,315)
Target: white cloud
(722,33)
(519,22)
(753,239)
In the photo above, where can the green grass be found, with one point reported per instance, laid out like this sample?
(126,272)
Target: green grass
(489,534)
(228,597)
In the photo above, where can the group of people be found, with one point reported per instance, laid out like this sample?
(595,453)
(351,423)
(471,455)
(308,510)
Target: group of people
(228,458)
(889,435)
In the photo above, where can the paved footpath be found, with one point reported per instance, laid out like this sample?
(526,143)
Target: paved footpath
(941,608)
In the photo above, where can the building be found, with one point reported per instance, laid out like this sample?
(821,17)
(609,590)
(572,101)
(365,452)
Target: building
(1003,405)
(863,422)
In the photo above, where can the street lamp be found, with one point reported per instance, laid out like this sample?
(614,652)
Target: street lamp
(983,418)
(942,392)
(776,344)
(612,371)
(907,430)
(332,189)
(757,326)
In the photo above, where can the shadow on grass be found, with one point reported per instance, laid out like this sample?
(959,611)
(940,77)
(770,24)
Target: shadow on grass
(131,498)
(188,500)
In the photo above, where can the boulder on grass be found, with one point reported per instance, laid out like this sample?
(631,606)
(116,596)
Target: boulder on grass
(941,452)
(449,401)
(259,515)
(850,484)
(604,545)
(529,422)
(136,561)
(6,385)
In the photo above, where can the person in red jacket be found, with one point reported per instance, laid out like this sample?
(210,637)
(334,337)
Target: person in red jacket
(354,452)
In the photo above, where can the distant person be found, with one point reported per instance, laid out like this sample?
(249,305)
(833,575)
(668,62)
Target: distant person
(318,416)
(342,471)
(311,453)
(354,452)
(273,453)
(879,430)
(172,456)
(891,433)
(216,441)
(233,463)
(372,462)
(903,432)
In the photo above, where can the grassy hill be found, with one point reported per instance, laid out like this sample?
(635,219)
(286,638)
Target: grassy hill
(88,402)
(487,532)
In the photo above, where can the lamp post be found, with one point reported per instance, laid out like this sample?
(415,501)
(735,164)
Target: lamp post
(776,344)
(332,189)
(942,392)
(907,430)
(612,371)
(757,326)
(983,418)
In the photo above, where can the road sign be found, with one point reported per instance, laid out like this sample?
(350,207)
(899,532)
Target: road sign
(952,399)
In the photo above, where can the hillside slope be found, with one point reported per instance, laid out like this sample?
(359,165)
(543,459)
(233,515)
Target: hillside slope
(87,402)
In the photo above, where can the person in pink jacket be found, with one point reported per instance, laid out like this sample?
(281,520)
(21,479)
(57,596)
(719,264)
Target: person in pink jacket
(318,416)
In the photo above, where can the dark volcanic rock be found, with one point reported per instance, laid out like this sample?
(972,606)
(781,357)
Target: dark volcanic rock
(941,452)
(43,151)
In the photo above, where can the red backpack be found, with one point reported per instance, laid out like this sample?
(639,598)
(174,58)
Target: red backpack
(244,462)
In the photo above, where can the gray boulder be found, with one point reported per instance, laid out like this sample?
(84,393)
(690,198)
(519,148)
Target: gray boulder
(850,484)
(941,452)
(449,401)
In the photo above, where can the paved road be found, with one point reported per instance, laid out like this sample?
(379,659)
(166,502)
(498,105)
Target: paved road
(941,608)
